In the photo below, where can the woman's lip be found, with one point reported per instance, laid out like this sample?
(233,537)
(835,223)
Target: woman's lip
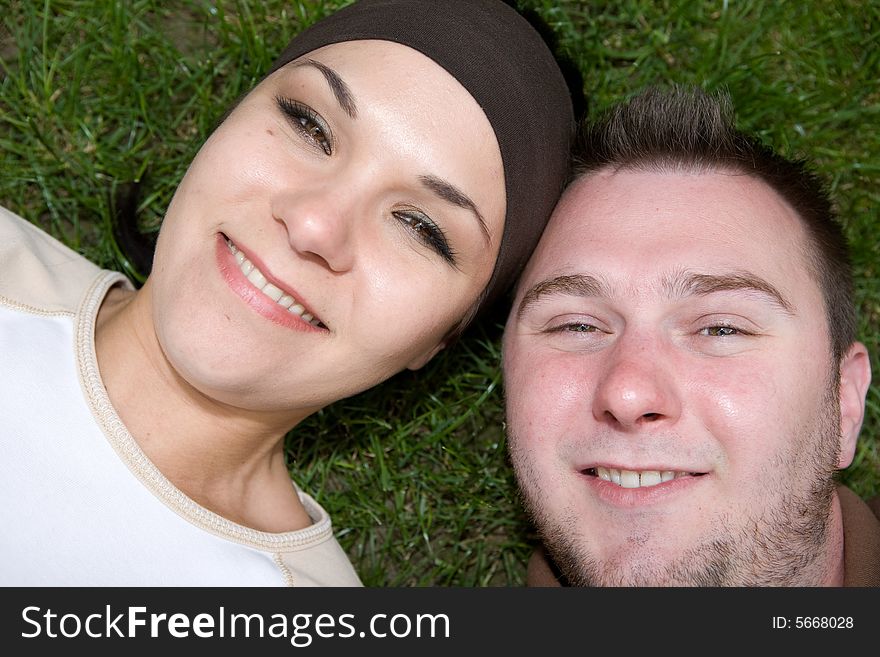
(255,299)
(264,269)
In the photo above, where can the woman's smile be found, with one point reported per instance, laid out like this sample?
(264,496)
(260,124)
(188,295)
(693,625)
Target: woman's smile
(263,292)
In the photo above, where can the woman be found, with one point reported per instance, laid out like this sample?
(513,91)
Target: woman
(344,222)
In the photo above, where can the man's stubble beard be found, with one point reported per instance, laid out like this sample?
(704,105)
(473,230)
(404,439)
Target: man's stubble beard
(784,545)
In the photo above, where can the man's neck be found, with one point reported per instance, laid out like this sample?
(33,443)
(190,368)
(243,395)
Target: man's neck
(835,570)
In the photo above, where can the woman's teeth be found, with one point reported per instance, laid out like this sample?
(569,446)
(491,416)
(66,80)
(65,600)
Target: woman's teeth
(258,280)
(637,479)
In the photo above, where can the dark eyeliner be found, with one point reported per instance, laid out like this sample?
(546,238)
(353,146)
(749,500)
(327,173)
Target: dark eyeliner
(429,233)
(301,117)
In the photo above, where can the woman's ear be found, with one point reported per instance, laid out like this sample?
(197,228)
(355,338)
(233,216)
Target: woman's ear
(855,377)
(422,360)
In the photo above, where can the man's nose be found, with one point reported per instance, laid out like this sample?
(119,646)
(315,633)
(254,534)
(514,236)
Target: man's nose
(636,387)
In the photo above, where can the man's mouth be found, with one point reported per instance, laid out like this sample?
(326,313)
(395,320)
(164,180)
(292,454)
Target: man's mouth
(259,281)
(637,478)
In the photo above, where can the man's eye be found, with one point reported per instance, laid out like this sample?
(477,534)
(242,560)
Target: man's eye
(427,232)
(573,327)
(307,122)
(580,327)
(720,331)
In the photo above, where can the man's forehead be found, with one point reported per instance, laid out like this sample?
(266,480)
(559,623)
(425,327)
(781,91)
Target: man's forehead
(654,223)
(641,208)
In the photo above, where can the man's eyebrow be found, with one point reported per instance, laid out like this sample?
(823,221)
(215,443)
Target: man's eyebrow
(681,284)
(576,285)
(702,284)
(337,85)
(452,194)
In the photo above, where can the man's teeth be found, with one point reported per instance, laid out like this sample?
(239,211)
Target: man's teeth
(636,479)
(256,277)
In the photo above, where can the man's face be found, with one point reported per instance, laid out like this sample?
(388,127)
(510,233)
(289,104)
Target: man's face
(672,409)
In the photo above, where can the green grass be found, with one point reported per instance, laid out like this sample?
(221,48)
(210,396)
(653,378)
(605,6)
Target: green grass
(95,94)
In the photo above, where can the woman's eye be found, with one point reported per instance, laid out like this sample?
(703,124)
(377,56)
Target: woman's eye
(307,122)
(428,233)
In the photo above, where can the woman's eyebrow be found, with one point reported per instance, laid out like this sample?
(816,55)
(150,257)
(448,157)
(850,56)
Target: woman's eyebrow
(452,194)
(337,85)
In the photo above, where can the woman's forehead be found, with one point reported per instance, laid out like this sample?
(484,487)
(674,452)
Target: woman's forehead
(405,106)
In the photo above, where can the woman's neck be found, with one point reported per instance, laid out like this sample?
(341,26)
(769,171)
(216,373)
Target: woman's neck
(227,459)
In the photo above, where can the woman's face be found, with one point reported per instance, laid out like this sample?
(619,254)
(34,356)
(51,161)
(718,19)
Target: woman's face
(330,232)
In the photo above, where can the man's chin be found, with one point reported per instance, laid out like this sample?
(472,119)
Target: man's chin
(634,570)
(640,562)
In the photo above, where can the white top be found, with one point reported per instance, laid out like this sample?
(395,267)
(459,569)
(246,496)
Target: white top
(80,503)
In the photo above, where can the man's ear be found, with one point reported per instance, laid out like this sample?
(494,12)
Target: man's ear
(420,361)
(855,377)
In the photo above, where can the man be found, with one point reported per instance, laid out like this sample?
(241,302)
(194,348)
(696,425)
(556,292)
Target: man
(681,370)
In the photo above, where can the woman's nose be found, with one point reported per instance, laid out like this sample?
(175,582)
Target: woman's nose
(319,225)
